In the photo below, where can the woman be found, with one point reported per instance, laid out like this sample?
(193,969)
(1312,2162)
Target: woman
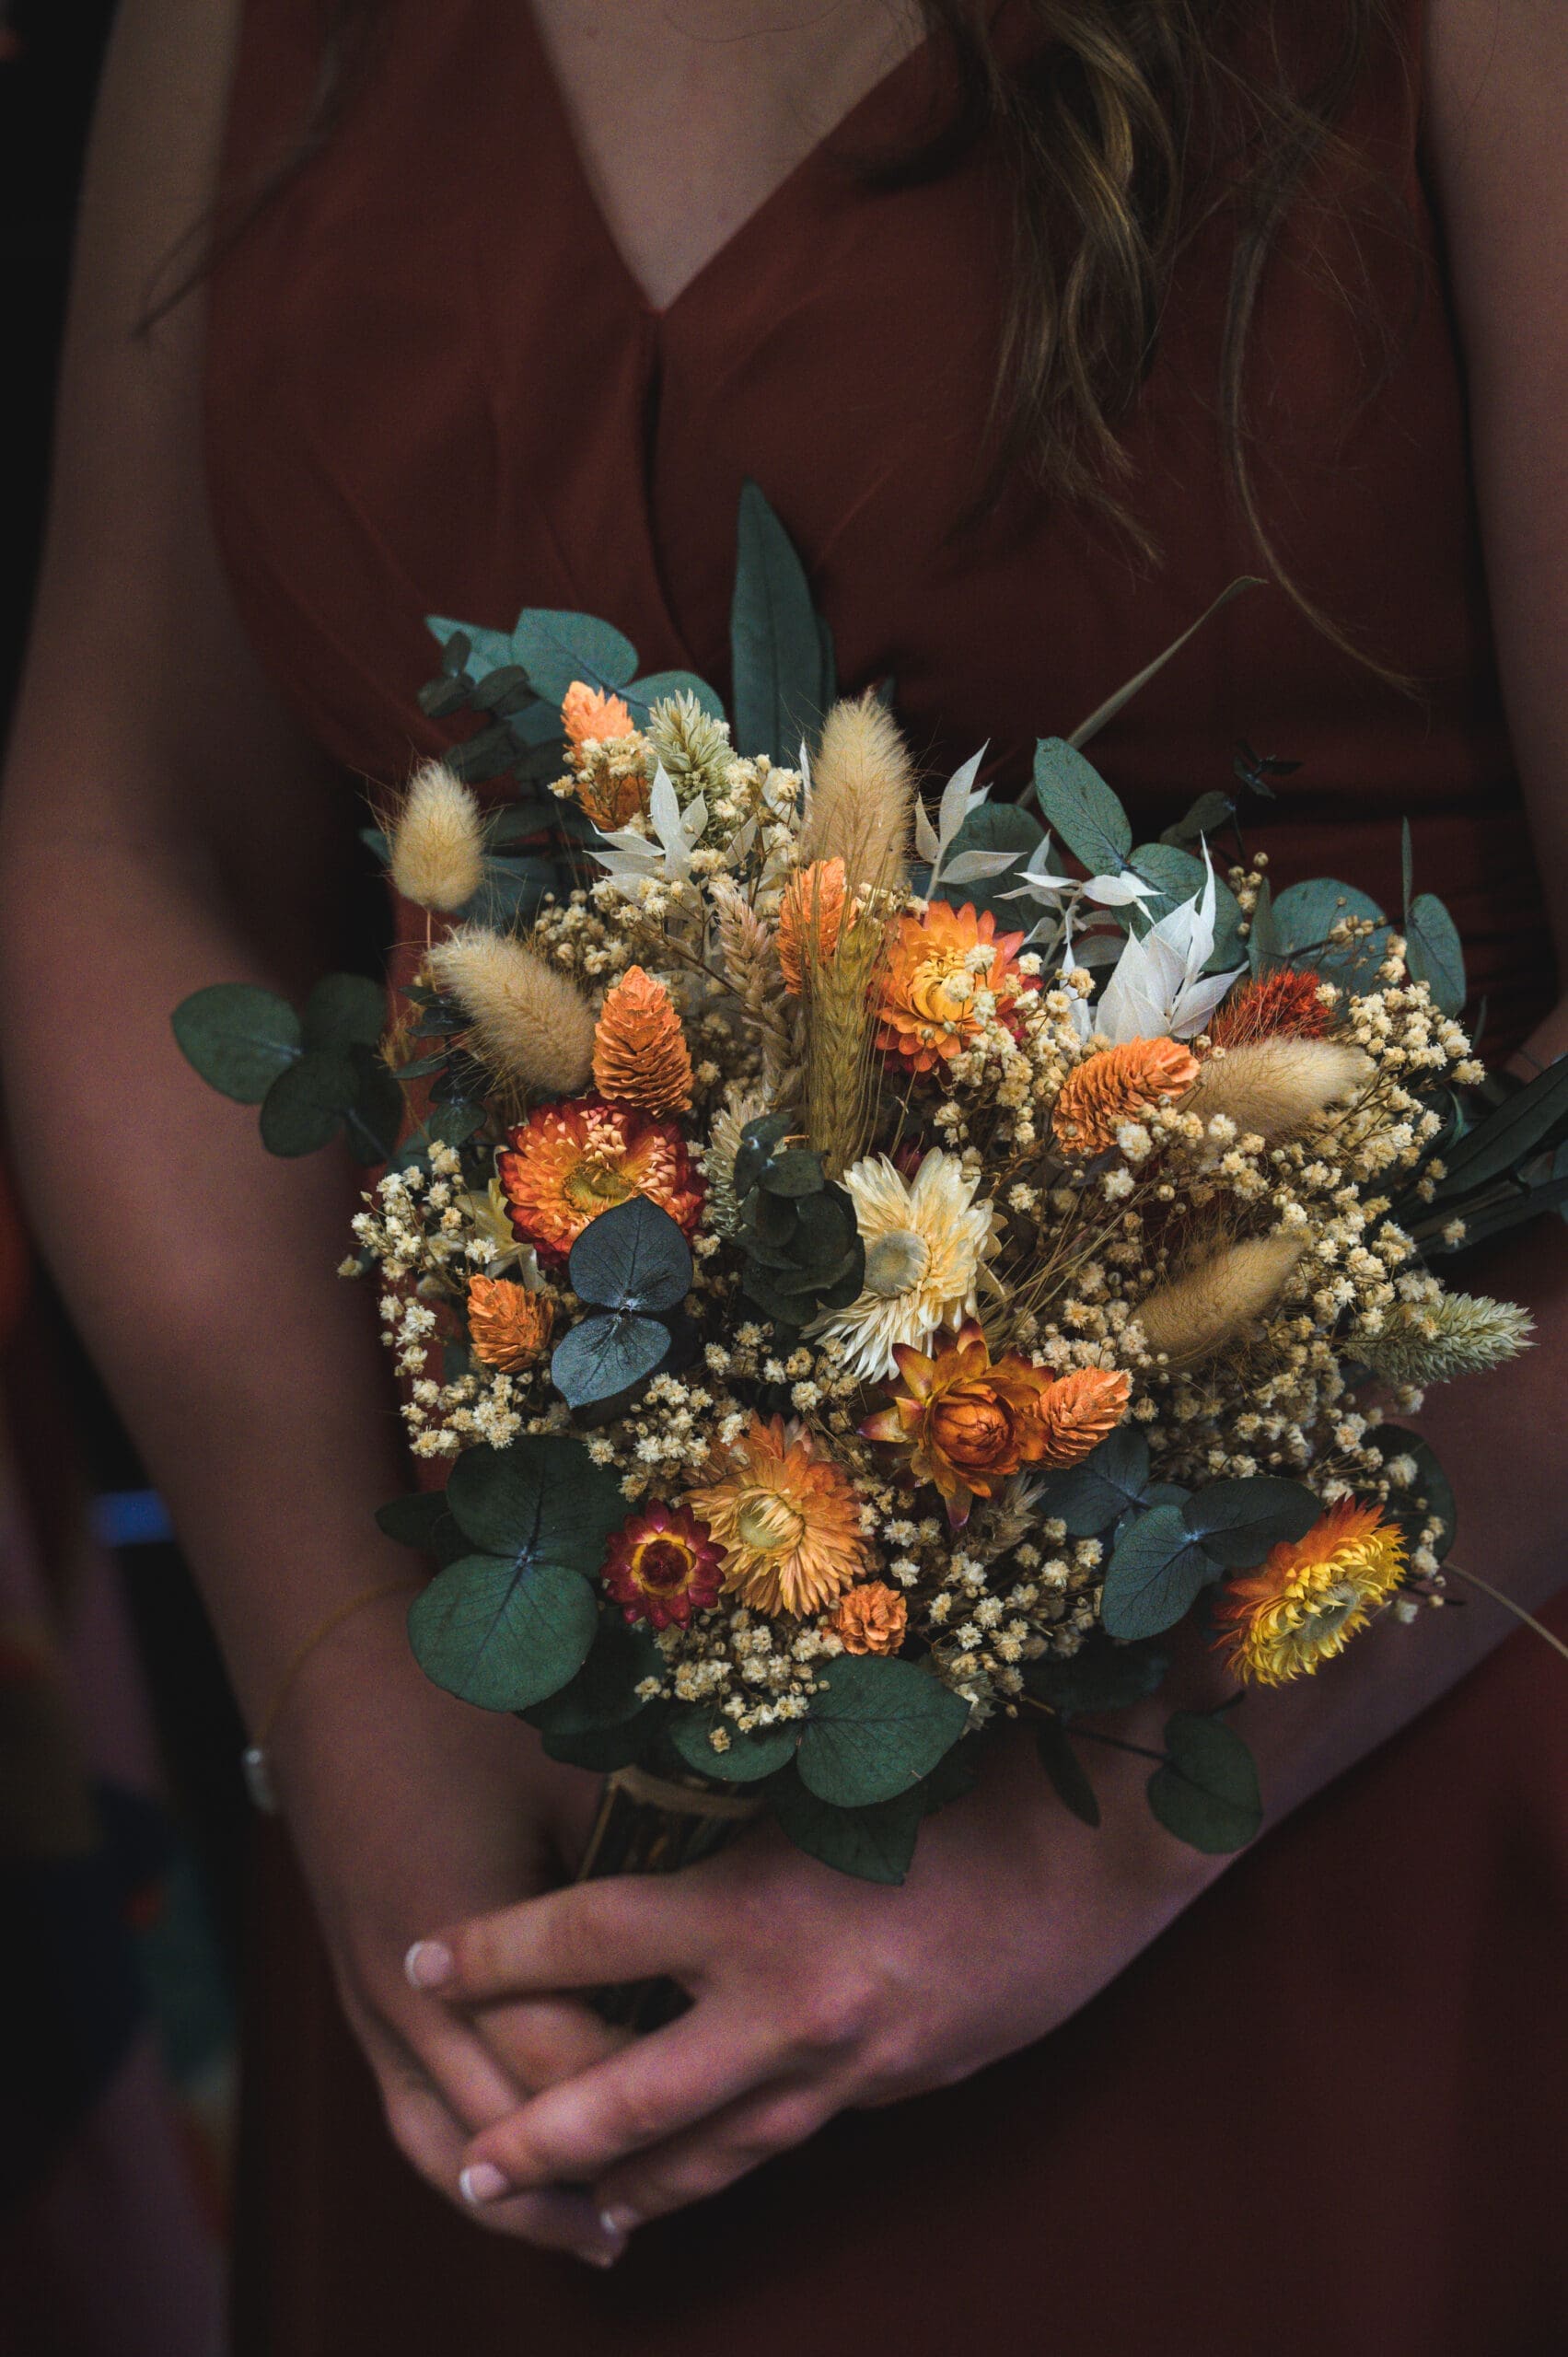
(547,286)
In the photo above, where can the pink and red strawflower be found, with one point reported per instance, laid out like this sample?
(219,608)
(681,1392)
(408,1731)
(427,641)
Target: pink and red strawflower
(662,1566)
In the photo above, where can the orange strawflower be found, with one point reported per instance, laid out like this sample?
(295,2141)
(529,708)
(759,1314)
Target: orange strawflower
(1079,1410)
(946,975)
(584,713)
(1286,1004)
(786,1520)
(639,1052)
(811,916)
(508,1325)
(871,1619)
(662,1566)
(1115,1085)
(1310,1596)
(569,1162)
(968,1422)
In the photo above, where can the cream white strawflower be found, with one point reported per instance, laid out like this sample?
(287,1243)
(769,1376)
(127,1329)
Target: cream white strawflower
(925,1241)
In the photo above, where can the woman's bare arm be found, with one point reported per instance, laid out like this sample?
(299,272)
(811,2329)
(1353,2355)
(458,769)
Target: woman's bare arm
(165,826)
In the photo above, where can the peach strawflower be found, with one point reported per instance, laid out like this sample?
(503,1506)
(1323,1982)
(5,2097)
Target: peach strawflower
(1115,1085)
(567,1162)
(967,1421)
(1079,1410)
(811,916)
(1310,1596)
(586,713)
(508,1325)
(871,1619)
(661,1566)
(946,974)
(786,1519)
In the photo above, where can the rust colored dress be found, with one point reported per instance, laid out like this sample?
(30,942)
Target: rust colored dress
(1322,2113)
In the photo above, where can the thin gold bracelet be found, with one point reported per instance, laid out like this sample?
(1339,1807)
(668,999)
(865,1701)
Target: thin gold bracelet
(253,1759)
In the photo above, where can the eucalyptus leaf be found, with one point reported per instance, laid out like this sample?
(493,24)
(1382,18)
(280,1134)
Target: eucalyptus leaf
(1237,1522)
(874,1844)
(373,1122)
(421,1521)
(1208,815)
(1101,1676)
(633,1257)
(345,1011)
(503,1632)
(1111,1478)
(1067,1774)
(658,687)
(542,1493)
(876,1728)
(1207,1793)
(603,1356)
(1077,802)
(745,1760)
(1500,1142)
(239,1037)
(1155,1574)
(781,680)
(305,1105)
(1435,952)
(604,1691)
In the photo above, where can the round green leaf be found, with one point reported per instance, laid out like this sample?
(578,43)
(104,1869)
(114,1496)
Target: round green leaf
(1436,953)
(345,1011)
(503,1632)
(604,1692)
(305,1105)
(541,1496)
(632,1257)
(1068,1775)
(1081,807)
(556,648)
(1111,1478)
(748,1757)
(1207,1793)
(238,1037)
(876,1728)
(657,687)
(600,1357)
(374,1121)
(1099,1676)
(1156,1574)
(1237,1522)
(874,1844)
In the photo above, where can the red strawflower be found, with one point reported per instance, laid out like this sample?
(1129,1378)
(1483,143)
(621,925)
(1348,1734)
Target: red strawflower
(662,1566)
(1282,1005)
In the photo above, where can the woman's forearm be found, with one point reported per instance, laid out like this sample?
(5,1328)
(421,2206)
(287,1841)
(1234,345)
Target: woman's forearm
(199,1270)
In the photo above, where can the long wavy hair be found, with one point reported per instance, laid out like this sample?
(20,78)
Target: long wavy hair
(1133,124)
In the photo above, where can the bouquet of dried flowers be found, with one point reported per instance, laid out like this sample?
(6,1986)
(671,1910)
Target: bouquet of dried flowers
(867,1275)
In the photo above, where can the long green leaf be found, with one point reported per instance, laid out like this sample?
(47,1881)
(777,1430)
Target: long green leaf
(783,682)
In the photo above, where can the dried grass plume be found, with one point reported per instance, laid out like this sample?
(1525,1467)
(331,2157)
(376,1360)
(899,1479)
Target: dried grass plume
(861,795)
(530,1025)
(437,841)
(1278,1088)
(1213,1305)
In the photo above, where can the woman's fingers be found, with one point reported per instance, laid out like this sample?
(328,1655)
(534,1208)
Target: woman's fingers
(595,1933)
(705,2159)
(656,2088)
(544,2040)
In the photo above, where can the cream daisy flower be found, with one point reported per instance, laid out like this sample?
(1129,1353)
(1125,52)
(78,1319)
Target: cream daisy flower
(925,1241)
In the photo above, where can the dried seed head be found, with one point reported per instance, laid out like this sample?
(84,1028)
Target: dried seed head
(862,796)
(437,841)
(1213,1304)
(1279,1086)
(530,1024)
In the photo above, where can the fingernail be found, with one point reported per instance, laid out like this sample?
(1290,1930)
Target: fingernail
(482,2182)
(427,1964)
(619,2221)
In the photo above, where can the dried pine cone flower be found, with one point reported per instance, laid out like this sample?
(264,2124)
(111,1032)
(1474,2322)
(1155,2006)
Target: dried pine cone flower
(1117,1086)
(811,916)
(871,1619)
(639,1052)
(1077,1411)
(508,1325)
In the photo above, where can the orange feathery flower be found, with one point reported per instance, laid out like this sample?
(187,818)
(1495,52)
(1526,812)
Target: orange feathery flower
(569,1162)
(811,916)
(639,1052)
(662,1566)
(967,1421)
(1115,1085)
(1282,1005)
(508,1325)
(786,1520)
(584,713)
(871,1619)
(1310,1596)
(945,974)
(1077,1411)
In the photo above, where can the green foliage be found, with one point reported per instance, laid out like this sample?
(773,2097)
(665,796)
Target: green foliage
(780,653)
(1207,815)
(874,1844)
(1166,1554)
(603,1694)
(550,649)
(1101,1676)
(344,1011)
(238,1038)
(658,687)
(1434,953)
(1237,1522)
(1110,1479)
(1305,914)
(803,1247)
(748,1757)
(1206,1793)
(997,830)
(630,1262)
(1077,802)
(421,1521)
(508,1625)
(875,1726)
(1430,1494)
(1067,1772)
